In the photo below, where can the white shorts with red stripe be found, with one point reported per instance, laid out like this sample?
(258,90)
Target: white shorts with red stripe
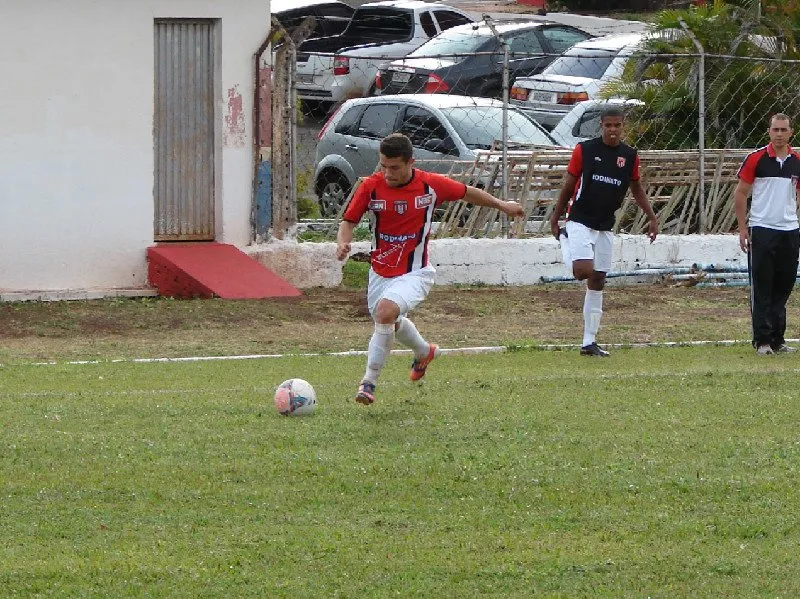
(407,291)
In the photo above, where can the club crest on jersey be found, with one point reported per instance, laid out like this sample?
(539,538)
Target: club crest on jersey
(377,205)
(620,161)
(400,207)
(422,201)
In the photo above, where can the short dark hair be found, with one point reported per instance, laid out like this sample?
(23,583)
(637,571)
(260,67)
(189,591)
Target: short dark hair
(397,145)
(780,117)
(612,111)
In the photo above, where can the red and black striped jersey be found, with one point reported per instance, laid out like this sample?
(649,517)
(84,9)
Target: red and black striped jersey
(604,174)
(401,218)
(774,182)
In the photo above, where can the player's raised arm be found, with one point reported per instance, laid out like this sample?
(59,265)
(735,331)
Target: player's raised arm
(479,197)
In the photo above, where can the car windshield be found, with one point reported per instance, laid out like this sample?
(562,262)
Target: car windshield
(480,126)
(449,43)
(576,62)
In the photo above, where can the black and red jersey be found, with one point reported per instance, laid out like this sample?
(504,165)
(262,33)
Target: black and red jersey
(401,218)
(604,174)
(775,183)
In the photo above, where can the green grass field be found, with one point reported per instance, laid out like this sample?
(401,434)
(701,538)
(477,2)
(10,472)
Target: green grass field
(655,473)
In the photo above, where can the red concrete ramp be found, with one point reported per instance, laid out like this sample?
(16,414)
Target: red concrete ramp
(212,270)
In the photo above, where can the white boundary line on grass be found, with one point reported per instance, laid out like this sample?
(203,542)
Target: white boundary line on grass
(490,349)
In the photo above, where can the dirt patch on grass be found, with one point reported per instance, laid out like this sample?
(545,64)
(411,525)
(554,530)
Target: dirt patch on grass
(337,320)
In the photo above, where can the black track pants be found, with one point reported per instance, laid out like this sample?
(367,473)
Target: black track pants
(773,270)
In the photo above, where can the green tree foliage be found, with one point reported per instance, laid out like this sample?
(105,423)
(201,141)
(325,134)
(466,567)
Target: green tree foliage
(750,74)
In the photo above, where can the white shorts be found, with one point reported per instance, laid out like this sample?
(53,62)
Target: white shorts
(407,290)
(589,244)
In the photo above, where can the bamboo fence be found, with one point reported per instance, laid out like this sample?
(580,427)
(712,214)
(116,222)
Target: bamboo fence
(670,178)
(671,181)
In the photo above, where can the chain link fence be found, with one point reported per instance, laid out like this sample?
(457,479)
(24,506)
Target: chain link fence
(711,101)
(713,107)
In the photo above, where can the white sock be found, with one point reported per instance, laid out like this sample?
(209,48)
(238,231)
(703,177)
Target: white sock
(407,334)
(592,312)
(379,347)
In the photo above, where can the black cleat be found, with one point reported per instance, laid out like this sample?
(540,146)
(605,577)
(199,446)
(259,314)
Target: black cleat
(594,350)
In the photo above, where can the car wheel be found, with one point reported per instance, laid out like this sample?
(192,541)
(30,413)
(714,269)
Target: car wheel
(332,190)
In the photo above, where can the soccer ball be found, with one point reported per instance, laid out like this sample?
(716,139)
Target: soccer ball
(295,397)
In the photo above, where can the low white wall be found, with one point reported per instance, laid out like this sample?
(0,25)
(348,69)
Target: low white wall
(502,261)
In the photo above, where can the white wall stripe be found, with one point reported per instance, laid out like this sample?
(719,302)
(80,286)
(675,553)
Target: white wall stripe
(489,349)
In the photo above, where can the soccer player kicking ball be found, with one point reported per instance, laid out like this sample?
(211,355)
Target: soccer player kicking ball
(598,176)
(401,201)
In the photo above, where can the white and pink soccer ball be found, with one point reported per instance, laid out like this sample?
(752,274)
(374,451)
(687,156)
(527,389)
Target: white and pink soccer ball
(295,397)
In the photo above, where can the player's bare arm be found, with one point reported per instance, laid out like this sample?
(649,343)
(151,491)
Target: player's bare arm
(344,238)
(641,199)
(478,197)
(740,196)
(561,203)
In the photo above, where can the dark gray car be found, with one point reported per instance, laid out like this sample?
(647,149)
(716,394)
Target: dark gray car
(468,59)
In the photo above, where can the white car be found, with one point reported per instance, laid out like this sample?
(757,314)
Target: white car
(583,121)
(577,75)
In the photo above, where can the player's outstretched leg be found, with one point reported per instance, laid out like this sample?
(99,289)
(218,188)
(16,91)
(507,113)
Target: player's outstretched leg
(424,352)
(379,347)
(420,364)
(592,312)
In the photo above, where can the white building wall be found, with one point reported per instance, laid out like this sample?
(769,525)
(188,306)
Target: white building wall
(76,135)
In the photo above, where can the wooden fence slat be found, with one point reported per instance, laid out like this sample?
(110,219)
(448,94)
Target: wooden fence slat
(536,177)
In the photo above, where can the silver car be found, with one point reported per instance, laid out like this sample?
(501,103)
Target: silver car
(579,74)
(583,121)
(442,128)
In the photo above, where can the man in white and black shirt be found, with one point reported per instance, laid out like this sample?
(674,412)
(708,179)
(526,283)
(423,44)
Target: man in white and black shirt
(599,174)
(771,235)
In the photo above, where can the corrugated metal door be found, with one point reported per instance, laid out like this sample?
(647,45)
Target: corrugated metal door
(184,129)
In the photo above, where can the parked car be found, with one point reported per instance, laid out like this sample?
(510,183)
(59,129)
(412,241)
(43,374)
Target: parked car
(333,69)
(583,121)
(468,59)
(332,16)
(577,75)
(443,128)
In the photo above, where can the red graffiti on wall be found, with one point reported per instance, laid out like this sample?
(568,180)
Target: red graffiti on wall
(234,119)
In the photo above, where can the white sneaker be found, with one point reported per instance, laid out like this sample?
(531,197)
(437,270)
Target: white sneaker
(764,350)
(785,349)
